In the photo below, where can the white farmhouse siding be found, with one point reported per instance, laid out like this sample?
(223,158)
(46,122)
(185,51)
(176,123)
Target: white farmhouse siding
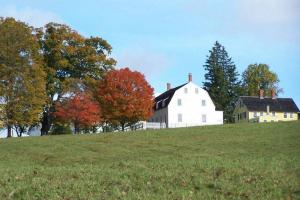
(186,105)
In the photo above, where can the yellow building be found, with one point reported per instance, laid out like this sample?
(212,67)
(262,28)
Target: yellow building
(265,109)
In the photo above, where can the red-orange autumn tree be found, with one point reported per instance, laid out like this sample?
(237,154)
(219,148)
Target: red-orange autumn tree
(125,97)
(81,110)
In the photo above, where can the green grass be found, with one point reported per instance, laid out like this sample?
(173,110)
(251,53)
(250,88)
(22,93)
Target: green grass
(242,161)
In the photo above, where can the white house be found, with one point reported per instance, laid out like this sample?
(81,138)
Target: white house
(184,106)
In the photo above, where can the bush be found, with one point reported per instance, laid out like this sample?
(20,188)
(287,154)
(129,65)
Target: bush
(60,129)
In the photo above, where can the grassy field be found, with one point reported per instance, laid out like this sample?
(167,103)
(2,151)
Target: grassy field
(243,161)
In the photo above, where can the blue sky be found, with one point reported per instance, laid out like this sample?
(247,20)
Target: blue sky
(166,40)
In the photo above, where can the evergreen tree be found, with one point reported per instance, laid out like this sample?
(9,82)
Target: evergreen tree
(221,80)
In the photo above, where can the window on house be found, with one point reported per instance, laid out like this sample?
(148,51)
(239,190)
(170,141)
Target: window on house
(185,90)
(291,115)
(255,114)
(179,102)
(261,113)
(203,118)
(156,105)
(285,115)
(196,90)
(179,117)
(273,114)
(203,103)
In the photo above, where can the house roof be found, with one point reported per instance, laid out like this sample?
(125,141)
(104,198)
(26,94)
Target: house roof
(277,104)
(165,97)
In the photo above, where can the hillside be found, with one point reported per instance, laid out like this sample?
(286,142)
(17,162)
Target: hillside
(241,161)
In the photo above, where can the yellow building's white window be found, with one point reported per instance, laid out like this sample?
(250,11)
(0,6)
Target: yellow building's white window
(291,115)
(255,114)
(285,115)
(261,113)
(273,114)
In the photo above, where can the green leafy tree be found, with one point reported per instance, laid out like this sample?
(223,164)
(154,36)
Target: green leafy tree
(73,63)
(259,76)
(221,80)
(22,77)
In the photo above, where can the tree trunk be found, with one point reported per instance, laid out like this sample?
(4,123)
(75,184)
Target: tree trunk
(46,124)
(9,131)
(76,128)
(123,127)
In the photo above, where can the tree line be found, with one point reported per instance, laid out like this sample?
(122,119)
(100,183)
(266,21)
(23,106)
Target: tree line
(54,77)
(224,85)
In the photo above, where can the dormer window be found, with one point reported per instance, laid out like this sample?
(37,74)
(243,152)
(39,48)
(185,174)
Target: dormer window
(164,103)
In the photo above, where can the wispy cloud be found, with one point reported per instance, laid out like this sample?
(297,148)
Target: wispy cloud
(271,18)
(32,16)
(264,19)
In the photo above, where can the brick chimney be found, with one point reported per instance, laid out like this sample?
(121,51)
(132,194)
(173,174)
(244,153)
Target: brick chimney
(261,93)
(168,86)
(273,94)
(190,77)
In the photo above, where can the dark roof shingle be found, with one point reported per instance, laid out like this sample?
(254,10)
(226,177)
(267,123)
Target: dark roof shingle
(277,104)
(166,96)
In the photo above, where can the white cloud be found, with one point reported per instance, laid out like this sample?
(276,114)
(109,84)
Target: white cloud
(32,16)
(271,19)
(142,58)
(269,12)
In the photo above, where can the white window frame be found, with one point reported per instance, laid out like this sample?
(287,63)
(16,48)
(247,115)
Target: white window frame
(255,114)
(291,115)
(196,90)
(261,113)
(273,114)
(203,102)
(285,115)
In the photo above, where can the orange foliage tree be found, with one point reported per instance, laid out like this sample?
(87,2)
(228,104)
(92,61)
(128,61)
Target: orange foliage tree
(80,110)
(125,97)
